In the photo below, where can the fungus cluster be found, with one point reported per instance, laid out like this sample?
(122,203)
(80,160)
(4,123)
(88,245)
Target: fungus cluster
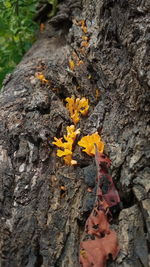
(67,145)
(89,142)
(76,108)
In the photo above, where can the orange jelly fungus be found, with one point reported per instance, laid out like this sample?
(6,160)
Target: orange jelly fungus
(41,77)
(89,141)
(67,146)
(83,25)
(84,44)
(76,107)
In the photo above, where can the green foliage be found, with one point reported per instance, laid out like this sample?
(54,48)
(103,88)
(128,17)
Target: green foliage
(17,32)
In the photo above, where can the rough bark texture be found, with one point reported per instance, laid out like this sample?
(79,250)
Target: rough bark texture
(40,225)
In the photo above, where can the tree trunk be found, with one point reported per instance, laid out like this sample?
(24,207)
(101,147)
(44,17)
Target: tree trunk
(41,224)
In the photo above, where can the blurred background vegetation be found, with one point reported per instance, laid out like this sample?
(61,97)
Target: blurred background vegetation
(17,31)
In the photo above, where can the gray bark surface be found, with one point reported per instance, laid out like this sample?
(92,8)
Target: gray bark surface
(39,224)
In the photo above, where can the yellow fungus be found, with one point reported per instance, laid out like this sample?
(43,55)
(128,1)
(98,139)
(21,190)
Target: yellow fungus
(80,62)
(61,153)
(67,146)
(63,188)
(41,77)
(84,29)
(88,143)
(76,107)
(58,142)
(83,25)
(71,64)
(84,44)
(81,22)
(84,38)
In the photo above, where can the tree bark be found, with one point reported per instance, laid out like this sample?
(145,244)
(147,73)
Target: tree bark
(41,225)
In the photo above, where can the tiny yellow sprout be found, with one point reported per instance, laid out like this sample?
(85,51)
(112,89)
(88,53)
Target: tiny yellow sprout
(41,77)
(83,106)
(84,44)
(71,64)
(84,29)
(77,106)
(63,188)
(80,62)
(69,161)
(83,25)
(89,141)
(84,38)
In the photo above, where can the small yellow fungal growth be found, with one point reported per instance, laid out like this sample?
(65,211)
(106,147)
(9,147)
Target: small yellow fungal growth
(84,29)
(82,23)
(79,62)
(84,44)
(71,64)
(77,106)
(41,77)
(62,187)
(83,106)
(88,143)
(84,38)
(75,62)
(68,145)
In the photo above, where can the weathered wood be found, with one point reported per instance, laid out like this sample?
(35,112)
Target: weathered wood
(40,226)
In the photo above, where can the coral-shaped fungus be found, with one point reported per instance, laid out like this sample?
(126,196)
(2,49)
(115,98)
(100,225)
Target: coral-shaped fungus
(76,107)
(67,146)
(89,142)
